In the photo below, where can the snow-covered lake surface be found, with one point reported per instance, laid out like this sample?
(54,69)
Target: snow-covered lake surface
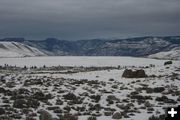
(80,61)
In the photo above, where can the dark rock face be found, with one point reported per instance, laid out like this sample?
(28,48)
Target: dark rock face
(168,63)
(128,73)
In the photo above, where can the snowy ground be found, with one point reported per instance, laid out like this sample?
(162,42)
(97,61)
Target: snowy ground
(86,91)
(80,61)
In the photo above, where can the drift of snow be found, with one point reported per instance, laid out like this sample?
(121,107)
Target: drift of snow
(15,49)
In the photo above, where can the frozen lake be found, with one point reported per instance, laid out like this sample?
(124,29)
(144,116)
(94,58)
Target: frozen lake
(80,61)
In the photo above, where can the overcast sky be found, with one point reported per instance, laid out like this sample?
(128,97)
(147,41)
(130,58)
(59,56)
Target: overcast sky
(87,19)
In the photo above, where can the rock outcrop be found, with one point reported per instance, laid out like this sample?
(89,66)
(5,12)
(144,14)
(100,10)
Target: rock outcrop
(128,73)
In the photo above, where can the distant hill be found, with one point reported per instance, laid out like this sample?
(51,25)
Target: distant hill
(139,46)
(173,54)
(16,49)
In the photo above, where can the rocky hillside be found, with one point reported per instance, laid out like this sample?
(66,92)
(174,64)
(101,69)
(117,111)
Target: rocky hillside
(16,49)
(141,46)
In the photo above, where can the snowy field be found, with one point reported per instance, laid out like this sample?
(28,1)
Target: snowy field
(80,61)
(77,91)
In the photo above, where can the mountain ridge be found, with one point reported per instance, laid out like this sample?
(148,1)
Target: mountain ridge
(138,46)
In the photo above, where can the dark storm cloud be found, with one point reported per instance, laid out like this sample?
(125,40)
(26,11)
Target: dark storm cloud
(85,19)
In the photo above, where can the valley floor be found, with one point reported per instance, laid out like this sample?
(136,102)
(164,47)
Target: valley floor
(84,92)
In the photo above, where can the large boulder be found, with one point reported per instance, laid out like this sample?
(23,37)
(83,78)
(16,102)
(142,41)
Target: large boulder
(168,63)
(128,73)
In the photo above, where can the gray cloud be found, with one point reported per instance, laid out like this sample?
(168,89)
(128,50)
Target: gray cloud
(86,19)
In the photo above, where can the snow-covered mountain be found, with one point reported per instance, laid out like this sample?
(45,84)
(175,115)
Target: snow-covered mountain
(139,46)
(16,49)
(173,54)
